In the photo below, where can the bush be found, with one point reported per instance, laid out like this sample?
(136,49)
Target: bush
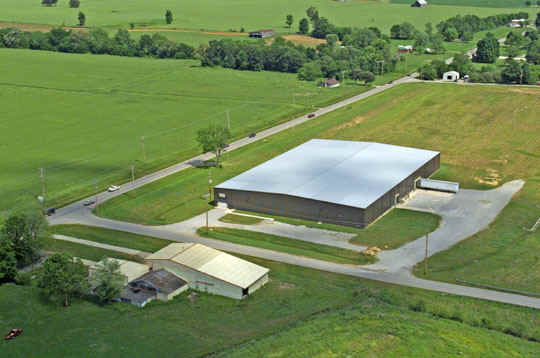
(419,306)
(74,4)
(24,278)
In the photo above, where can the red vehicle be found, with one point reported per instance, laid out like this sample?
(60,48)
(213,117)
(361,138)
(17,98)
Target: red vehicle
(311,115)
(13,333)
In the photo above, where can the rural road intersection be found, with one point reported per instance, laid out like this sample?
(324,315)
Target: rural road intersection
(463,215)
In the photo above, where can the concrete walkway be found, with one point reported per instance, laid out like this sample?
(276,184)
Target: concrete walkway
(123,250)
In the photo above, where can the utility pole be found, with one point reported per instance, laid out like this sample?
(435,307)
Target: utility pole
(144,152)
(228,120)
(426,255)
(96,188)
(380,63)
(343,76)
(42,176)
(209,195)
(132,175)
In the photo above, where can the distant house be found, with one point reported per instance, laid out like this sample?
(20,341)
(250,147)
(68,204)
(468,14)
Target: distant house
(517,23)
(405,48)
(419,3)
(451,76)
(262,33)
(330,83)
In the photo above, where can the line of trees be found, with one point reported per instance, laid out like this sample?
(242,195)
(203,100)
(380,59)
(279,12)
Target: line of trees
(96,41)
(363,50)
(464,27)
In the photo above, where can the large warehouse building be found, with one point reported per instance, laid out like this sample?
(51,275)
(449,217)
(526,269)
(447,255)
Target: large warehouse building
(340,182)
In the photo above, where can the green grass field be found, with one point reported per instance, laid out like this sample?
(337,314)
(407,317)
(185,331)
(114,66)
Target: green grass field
(294,300)
(486,136)
(240,219)
(83,251)
(111,237)
(235,14)
(287,245)
(361,332)
(81,117)
(394,229)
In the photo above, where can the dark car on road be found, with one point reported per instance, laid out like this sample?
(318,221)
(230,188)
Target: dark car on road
(252,135)
(50,211)
(311,115)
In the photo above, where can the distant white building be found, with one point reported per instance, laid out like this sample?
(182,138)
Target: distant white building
(330,83)
(517,23)
(419,3)
(451,76)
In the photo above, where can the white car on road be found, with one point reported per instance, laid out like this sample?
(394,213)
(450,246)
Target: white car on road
(113,188)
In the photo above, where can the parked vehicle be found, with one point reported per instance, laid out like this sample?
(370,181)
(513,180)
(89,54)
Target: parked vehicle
(113,188)
(252,135)
(13,333)
(50,211)
(311,115)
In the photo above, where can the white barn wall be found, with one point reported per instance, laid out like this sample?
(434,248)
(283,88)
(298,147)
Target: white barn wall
(198,280)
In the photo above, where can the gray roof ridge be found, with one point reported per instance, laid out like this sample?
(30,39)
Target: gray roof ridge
(338,163)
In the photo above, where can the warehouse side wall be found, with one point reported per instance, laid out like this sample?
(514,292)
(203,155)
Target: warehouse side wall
(400,191)
(291,206)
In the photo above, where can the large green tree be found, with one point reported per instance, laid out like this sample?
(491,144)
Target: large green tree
(487,50)
(24,231)
(303,26)
(107,280)
(289,20)
(533,52)
(511,72)
(214,139)
(168,17)
(310,71)
(62,277)
(8,262)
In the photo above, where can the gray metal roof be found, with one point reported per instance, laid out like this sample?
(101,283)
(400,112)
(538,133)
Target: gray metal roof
(343,172)
(212,262)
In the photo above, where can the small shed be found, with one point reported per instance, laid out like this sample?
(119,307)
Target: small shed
(419,3)
(451,76)
(262,33)
(158,284)
(210,270)
(330,83)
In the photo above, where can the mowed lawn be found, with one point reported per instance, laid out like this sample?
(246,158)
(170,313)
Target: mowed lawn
(296,302)
(233,14)
(83,117)
(487,135)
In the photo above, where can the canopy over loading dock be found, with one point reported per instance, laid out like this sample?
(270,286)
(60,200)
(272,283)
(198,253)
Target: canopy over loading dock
(342,182)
